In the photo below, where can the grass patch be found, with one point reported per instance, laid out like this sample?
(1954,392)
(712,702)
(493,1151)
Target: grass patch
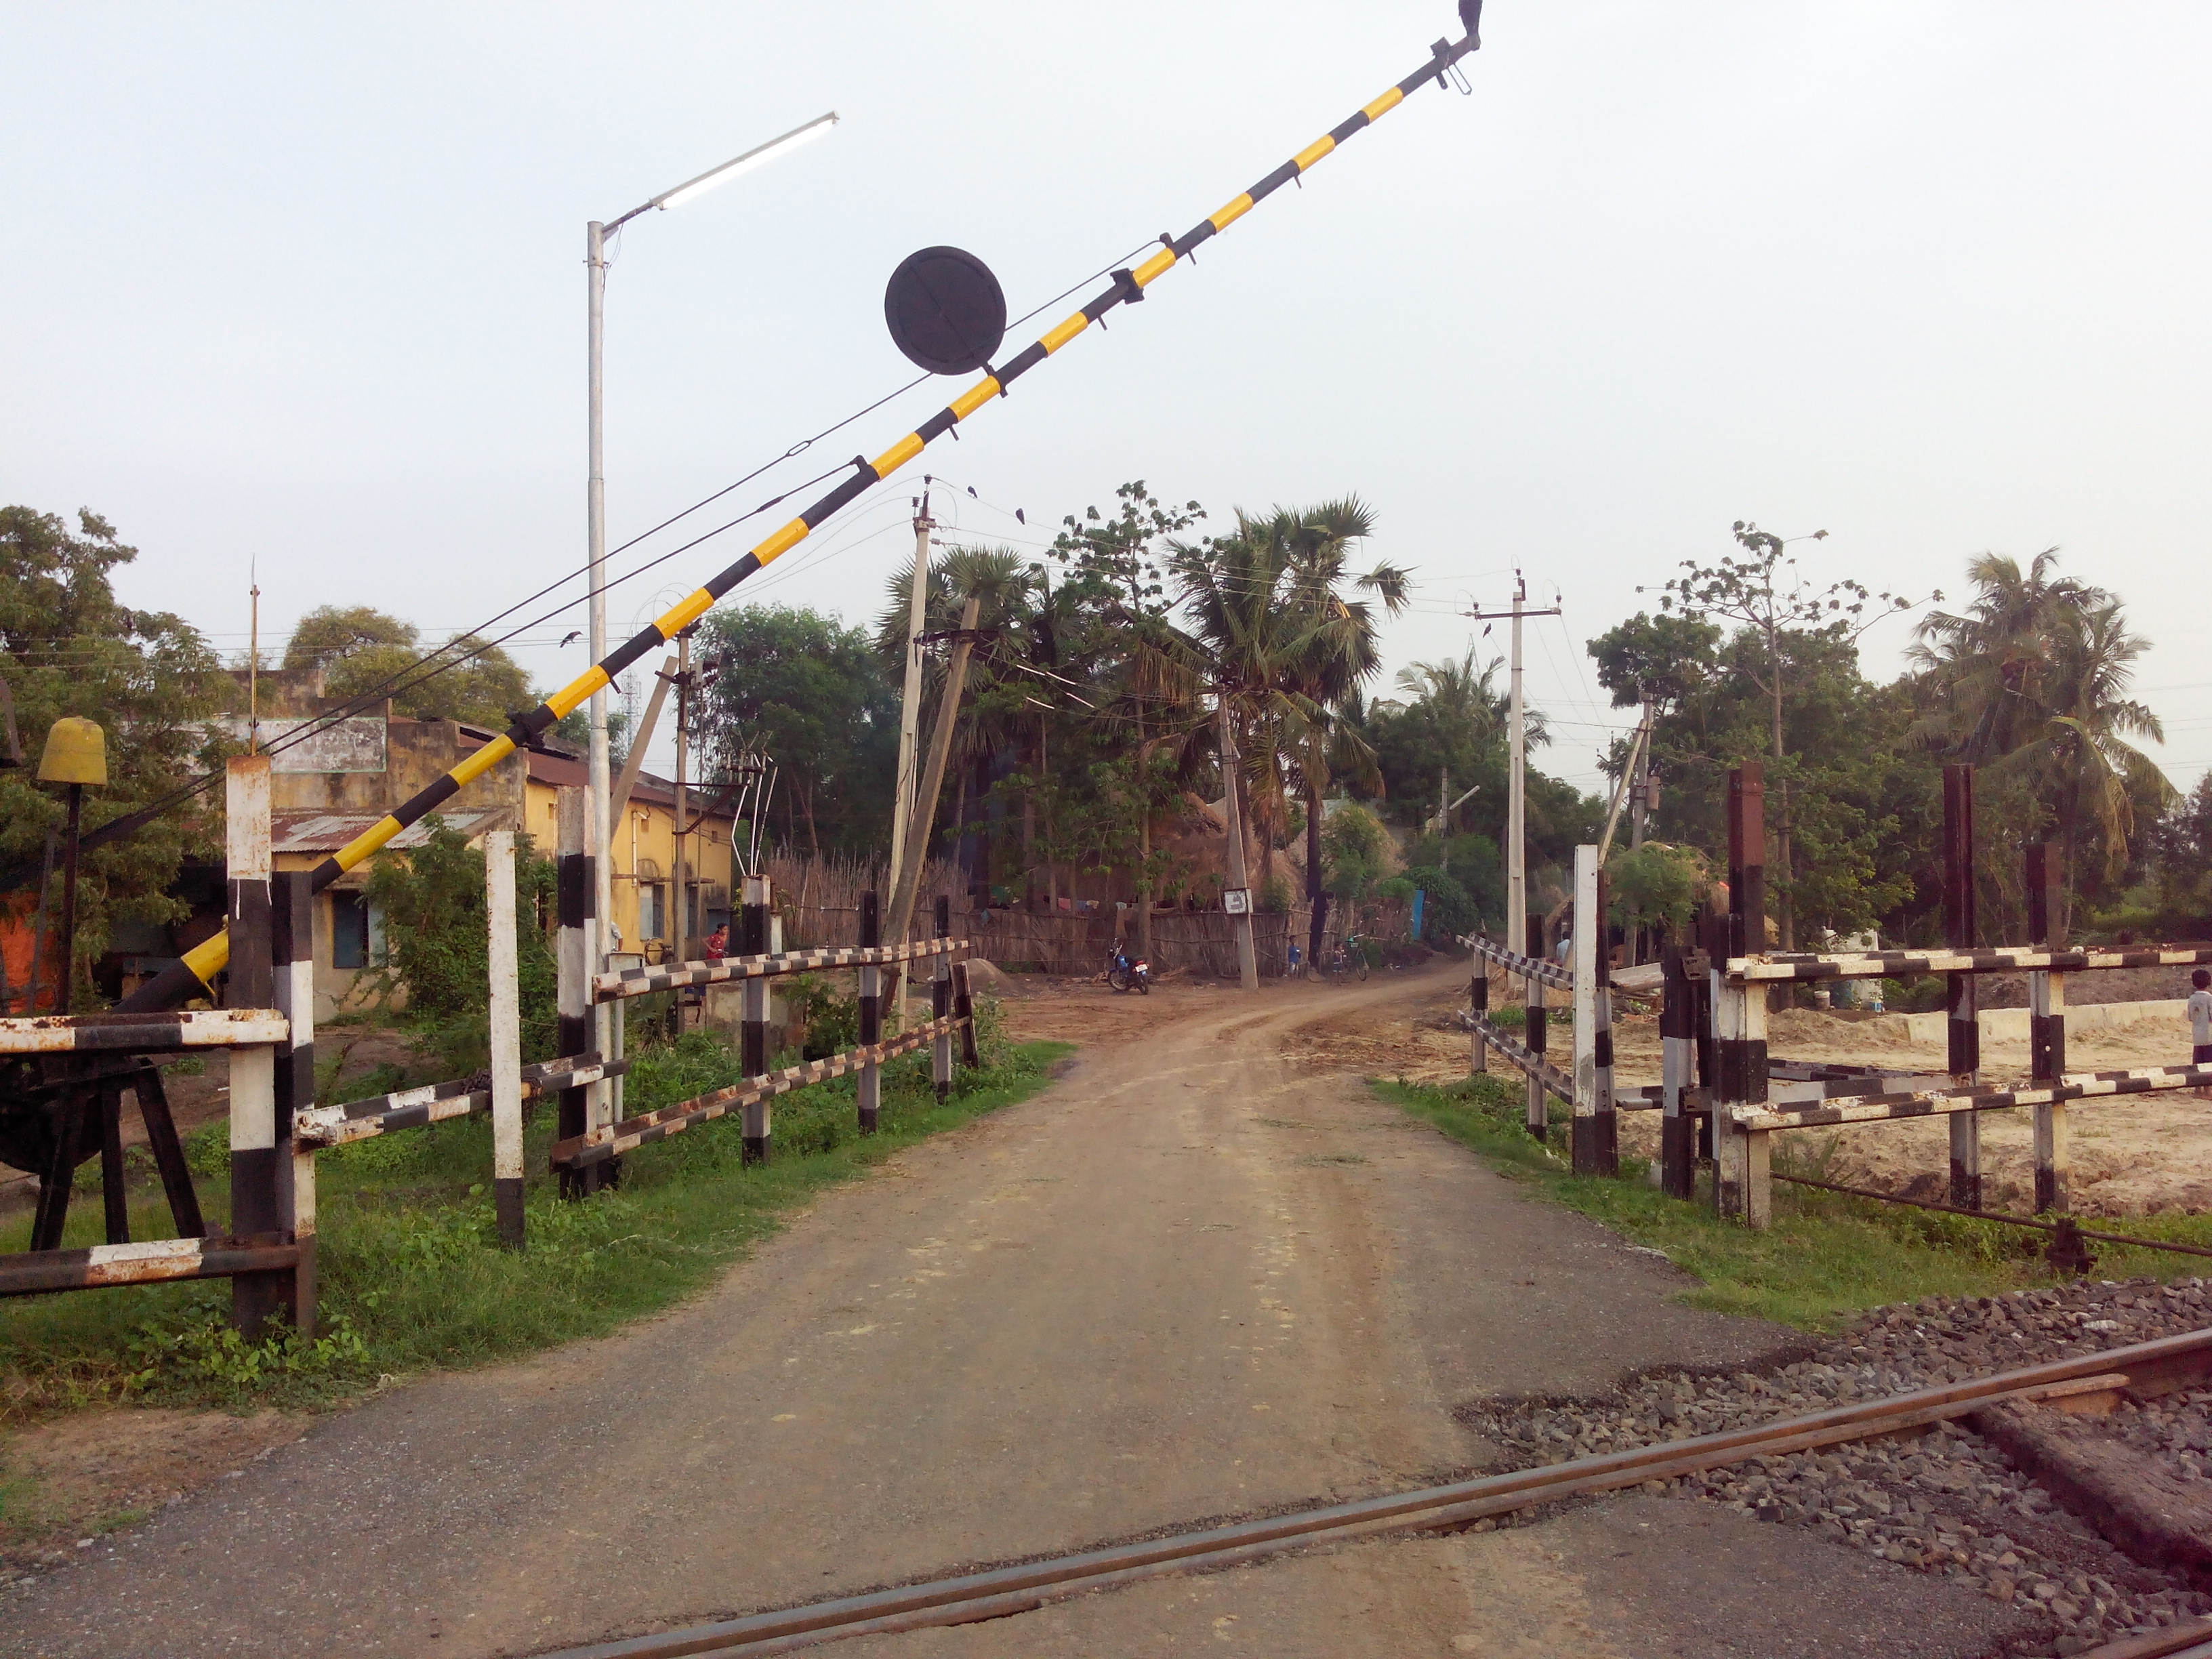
(412,1276)
(1827,1257)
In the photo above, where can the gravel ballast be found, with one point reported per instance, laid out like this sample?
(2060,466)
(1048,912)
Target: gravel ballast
(1942,1501)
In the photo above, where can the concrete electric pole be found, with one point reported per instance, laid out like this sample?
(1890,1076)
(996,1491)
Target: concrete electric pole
(1517,803)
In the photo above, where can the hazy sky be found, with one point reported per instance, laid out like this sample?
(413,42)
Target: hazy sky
(305,286)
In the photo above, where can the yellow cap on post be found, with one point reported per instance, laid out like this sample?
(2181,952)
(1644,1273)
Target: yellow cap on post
(76,752)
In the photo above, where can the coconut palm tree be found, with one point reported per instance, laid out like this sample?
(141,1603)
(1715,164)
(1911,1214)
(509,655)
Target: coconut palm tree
(1268,610)
(2078,752)
(2031,682)
(1988,663)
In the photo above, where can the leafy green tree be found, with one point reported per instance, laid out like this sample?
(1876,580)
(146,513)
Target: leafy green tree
(809,691)
(1111,610)
(1271,614)
(433,901)
(1355,849)
(2031,682)
(364,652)
(1772,603)
(1447,910)
(69,648)
(2179,849)
(1656,886)
(1860,790)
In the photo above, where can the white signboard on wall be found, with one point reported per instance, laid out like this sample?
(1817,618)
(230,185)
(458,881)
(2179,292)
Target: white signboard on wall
(352,745)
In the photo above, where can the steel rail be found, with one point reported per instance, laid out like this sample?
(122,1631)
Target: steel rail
(2192,1640)
(970,1597)
(198,966)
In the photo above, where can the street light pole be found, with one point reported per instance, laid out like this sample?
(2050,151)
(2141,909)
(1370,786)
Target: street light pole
(595,508)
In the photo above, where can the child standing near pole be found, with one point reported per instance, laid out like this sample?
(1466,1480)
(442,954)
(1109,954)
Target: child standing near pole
(2200,1016)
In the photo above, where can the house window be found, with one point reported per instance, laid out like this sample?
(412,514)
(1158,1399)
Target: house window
(652,910)
(349,930)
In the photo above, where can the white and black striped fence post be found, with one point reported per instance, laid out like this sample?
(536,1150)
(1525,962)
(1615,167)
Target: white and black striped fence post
(1962,992)
(506,1037)
(1478,1004)
(963,1006)
(1583,1147)
(573,883)
(1742,1185)
(1609,1125)
(292,935)
(1536,1034)
(1713,935)
(255,1205)
(2046,1026)
(752,924)
(1677,1059)
(941,1001)
(1597,1143)
(872,1013)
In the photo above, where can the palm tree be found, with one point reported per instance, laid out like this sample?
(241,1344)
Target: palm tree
(2079,753)
(1288,652)
(1988,663)
(2031,682)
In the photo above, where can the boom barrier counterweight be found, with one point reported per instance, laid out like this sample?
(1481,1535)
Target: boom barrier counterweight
(198,967)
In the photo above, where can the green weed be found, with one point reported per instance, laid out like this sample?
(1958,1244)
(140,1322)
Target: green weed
(1827,1257)
(412,1276)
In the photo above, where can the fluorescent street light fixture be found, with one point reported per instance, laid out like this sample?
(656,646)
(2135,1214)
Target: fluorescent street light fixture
(730,169)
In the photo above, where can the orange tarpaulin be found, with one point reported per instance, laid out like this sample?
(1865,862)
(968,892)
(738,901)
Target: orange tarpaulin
(17,934)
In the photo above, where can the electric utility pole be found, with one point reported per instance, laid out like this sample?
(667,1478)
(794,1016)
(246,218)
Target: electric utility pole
(682,875)
(1642,800)
(1516,799)
(910,693)
(1248,960)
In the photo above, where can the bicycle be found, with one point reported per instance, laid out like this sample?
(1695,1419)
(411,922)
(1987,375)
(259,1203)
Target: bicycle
(1347,955)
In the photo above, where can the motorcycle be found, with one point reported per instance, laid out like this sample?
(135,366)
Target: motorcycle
(1125,972)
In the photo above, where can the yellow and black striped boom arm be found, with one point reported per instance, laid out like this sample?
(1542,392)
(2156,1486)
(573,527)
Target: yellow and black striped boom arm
(200,965)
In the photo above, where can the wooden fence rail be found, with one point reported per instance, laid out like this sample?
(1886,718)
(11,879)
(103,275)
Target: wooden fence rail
(325,1126)
(1743,1082)
(597,1145)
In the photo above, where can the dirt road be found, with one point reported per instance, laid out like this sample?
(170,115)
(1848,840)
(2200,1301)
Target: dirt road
(1194,1279)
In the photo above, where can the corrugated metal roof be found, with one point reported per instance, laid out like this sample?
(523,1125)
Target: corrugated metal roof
(326,832)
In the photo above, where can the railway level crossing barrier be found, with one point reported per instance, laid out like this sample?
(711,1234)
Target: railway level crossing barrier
(600,1145)
(89,1060)
(1723,1094)
(1739,971)
(67,1073)
(1588,1087)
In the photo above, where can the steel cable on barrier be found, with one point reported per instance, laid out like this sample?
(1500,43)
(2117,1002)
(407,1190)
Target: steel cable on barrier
(391,686)
(442,661)
(198,967)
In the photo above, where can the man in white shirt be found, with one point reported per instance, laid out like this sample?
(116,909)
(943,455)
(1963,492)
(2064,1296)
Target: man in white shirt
(2200,1015)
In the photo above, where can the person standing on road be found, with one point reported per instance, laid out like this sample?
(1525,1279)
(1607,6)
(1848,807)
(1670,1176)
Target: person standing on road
(2200,1016)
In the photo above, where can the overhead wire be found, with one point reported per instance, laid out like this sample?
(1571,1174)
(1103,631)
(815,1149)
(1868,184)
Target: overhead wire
(443,659)
(797,448)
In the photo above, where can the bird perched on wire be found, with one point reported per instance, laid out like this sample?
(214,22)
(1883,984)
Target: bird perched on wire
(575,633)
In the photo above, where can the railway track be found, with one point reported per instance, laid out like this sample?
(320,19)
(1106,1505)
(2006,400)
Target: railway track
(969,1598)
(2190,1641)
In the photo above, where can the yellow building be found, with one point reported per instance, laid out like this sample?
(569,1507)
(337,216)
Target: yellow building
(327,789)
(644,856)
